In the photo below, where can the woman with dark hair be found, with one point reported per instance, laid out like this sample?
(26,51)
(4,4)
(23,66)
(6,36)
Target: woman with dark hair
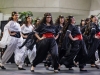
(60,22)
(86,32)
(87,21)
(87,27)
(82,26)
(46,42)
(26,29)
(37,23)
(94,40)
(74,37)
(13,41)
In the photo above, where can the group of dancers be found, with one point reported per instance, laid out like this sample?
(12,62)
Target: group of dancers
(59,43)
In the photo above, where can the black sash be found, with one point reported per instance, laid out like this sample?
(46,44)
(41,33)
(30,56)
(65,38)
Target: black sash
(17,35)
(25,34)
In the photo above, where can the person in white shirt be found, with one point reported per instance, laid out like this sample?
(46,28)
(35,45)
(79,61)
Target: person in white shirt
(26,29)
(13,39)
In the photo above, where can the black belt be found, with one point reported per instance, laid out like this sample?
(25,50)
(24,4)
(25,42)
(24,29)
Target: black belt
(25,34)
(17,35)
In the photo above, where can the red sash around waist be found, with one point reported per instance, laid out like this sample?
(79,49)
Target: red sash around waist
(79,36)
(98,34)
(48,35)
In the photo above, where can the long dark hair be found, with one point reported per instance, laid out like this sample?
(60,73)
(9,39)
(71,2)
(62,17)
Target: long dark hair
(88,27)
(58,20)
(12,14)
(81,22)
(35,23)
(65,29)
(67,24)
(91,17)
(26,22)
(87,20)
(43,21)
(69,20)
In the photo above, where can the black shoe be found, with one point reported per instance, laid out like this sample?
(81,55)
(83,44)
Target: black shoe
(3,68)
(71,69)
(83,70)
(32,70)
(21,68)
(58,69)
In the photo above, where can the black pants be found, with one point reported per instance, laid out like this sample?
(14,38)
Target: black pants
(77,48)
(43,46)
(82,55)
(82,52)
(93,47)
(62,53)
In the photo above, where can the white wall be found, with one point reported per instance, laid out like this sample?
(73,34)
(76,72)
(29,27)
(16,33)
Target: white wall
(78,8)
(1,16)
(95,7)
(6,16)
(64,6)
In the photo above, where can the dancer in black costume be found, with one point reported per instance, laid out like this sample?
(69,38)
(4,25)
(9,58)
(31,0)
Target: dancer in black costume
(73,36)
(94,40)
(82,28)
(45,34)
(60,22)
